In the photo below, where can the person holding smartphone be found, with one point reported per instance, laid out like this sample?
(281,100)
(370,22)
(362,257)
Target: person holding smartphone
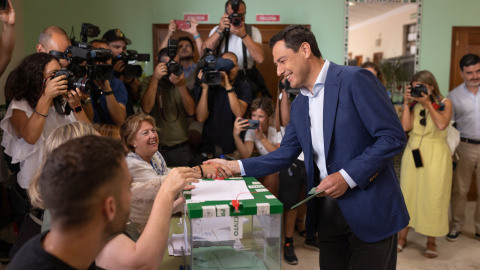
(426,171)
(265,137)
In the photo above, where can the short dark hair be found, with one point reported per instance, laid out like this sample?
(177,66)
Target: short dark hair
(187,39)
(163,52)
(230,1)
(101,41)
(26,80)
(293,36)
(469,60)
(75,175)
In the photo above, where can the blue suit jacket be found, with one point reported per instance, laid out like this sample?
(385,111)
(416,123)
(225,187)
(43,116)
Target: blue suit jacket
(362,133)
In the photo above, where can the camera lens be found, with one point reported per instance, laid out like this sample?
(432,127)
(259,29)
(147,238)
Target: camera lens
(237,21)
(82,84)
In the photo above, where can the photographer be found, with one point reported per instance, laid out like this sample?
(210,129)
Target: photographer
(32,88)
(54,38)
(241,39)
(185,45)
(109,97)
(7,40)
(426,171)
(117,43)
(218,106)
(165,96)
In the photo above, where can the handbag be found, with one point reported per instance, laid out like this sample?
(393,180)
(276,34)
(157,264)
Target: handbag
(453,137)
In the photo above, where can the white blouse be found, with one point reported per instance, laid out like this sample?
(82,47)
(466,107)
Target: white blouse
(147,178)
(29,155)
(273,137)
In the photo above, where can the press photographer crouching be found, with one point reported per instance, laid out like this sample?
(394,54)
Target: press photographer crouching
(164,96)
(220,98)
(426,171)
(33,87)
(108,96)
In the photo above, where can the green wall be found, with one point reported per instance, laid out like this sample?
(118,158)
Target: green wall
(135,18)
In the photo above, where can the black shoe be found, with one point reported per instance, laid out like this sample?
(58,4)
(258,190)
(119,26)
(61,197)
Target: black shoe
(289,254)
(453,235)
(477,235)
(312,244)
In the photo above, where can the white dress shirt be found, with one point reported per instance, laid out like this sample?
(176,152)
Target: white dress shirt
(315,103)
(466,111)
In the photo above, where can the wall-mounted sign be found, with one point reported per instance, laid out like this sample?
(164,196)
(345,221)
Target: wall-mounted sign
(268,17)
(198,17)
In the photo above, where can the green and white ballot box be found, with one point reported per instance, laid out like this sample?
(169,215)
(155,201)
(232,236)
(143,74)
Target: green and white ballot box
(219,234)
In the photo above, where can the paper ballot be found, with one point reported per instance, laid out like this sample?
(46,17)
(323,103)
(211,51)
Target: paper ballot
(220,191)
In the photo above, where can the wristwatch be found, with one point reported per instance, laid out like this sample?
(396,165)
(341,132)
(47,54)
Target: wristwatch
(231,90)
(77,109)
(108,93)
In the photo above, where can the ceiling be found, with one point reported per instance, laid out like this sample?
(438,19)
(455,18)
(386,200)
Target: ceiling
(362,12)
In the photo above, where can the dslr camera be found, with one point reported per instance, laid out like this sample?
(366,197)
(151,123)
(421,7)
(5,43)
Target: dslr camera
(172,66)
(131,70)
(211,66)
(235,18)
(418,89)
(73,82)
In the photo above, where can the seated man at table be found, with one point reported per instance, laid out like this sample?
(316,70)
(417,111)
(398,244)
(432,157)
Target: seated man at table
(92,206)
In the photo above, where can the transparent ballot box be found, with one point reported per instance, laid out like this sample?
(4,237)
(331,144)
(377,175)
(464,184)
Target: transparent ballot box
(219,236)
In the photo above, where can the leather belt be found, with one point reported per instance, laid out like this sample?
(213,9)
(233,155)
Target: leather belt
(469,140)
(170,148)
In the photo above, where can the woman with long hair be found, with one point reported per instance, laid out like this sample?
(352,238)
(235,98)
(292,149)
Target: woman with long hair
(426,170)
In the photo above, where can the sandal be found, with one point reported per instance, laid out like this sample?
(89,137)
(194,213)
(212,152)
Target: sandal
(431,251)
(401,244)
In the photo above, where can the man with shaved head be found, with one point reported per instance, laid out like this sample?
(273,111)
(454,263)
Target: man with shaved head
(53,38)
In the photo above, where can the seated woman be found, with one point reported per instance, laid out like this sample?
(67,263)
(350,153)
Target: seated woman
(265,138)
(31,116)
(426,171)
(148,168)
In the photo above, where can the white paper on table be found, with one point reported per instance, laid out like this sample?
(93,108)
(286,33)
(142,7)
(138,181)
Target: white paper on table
(220,191)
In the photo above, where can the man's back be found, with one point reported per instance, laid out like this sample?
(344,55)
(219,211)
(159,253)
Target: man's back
(33,256)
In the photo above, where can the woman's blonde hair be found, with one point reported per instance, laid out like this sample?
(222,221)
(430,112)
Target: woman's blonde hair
(266,104)
(131,126)
(108,130)
(57,138)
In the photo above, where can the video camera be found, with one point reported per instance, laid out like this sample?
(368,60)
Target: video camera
(211,66)
(235,19)
(172,66)
(418,89)
(131,70)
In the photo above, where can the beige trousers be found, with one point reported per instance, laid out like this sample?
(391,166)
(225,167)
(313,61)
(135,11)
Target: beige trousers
(467,163)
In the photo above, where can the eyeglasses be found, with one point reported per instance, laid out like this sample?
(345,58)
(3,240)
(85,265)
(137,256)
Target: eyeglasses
(423,121)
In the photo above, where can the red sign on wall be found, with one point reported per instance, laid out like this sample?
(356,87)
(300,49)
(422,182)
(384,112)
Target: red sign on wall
(268,18)
(198,17)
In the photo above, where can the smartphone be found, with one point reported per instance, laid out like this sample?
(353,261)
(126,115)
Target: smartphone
(3,4)
(182,24)
(253,124)
(417,158)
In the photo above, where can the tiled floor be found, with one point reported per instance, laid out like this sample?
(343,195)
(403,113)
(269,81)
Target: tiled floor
(461,255)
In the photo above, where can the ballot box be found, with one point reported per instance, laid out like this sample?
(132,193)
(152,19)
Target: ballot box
(221,232)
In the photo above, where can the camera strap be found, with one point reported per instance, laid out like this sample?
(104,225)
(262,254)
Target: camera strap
(160,105)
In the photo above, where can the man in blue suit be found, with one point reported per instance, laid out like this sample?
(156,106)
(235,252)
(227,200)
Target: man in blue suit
(349,132)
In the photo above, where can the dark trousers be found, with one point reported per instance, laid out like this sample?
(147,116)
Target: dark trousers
(341,249)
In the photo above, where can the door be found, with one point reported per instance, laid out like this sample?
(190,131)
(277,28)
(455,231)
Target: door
(464,40)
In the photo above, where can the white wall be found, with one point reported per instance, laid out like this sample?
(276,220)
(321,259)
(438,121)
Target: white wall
(361,40)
